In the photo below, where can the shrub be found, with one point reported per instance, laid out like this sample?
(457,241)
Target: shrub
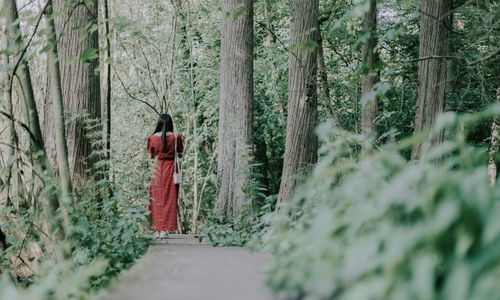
(105,237)
(377,226)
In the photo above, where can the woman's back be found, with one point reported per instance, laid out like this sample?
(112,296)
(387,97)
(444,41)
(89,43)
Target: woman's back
(155,146)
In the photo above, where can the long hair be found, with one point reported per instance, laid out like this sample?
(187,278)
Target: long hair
(164,125)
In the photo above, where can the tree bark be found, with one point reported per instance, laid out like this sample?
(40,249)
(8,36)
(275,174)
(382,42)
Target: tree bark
(370,60)
(79,79)
(301,142)
(58,116)
(236,105)
(494,163)
(434,33)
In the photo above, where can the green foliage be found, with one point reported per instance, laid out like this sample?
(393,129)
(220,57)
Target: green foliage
(111,229)
(106,236)
(376,226)
(236,232)
(107,233)
(244,231)
(88,55)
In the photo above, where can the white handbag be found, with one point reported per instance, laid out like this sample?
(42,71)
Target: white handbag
(177,168)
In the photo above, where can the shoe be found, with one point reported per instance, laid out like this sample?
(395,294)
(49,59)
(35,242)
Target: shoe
(157,234)
(162,234)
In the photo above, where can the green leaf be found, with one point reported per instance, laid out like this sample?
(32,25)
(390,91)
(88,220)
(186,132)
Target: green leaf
(89,54)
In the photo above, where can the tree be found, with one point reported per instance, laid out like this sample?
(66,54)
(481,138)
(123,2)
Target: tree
(494,163)
(78,60)
(433,47)
(36,139)
(301,142)
(370,60)
(236,105)
(22,72)
(323,75)
(58,106)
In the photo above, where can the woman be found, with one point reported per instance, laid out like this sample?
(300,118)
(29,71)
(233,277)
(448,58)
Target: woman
(163,192)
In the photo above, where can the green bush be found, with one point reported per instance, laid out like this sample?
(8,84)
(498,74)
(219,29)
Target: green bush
(239,231)
(376,226)
(105,237)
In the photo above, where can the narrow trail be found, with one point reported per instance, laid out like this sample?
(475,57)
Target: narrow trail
(181,268)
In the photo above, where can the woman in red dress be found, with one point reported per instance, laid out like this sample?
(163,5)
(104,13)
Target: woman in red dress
(162,191)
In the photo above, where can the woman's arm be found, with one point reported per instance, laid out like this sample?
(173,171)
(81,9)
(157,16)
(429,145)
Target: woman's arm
(180,146)
(150,149)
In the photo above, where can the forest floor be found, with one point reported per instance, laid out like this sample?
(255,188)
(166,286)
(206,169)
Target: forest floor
(180,267)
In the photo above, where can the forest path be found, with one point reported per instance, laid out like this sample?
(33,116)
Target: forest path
(180,267)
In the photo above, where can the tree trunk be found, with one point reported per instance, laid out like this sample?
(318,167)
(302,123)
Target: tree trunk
(434,34)
(40,160)
(195,176)
(301,142)
(78,60)
(325,89)
(494,162)
(371,77)
(236,105)
(11,135)
(58,116)
(107,102)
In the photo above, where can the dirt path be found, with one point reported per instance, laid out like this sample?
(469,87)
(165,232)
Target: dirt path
(181,268)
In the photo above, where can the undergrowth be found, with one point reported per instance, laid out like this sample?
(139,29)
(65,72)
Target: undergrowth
(105,237)
(374,225)
(106,234)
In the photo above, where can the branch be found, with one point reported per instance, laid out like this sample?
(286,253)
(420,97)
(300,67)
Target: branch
(149,69)
(484,58)
(345,60)
(130,95)
(23,162)
(440,20)
(469,63)
(23,125)
(281,42)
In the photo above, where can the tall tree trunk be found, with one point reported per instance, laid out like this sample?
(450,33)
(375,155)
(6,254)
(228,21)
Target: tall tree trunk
(40,160)
(236,105)
(494,162)
(58,116)
(301,142)
(25,79)
(11,134)
(195,177)
(434,34)
(78,60)
(370,59)
(107,102)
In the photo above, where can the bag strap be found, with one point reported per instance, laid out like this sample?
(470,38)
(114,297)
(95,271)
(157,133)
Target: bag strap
(175,153)
(177,166)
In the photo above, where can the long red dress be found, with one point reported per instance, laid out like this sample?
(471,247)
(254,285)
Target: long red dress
(162,191)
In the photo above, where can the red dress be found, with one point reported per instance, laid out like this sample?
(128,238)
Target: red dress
(162,191)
